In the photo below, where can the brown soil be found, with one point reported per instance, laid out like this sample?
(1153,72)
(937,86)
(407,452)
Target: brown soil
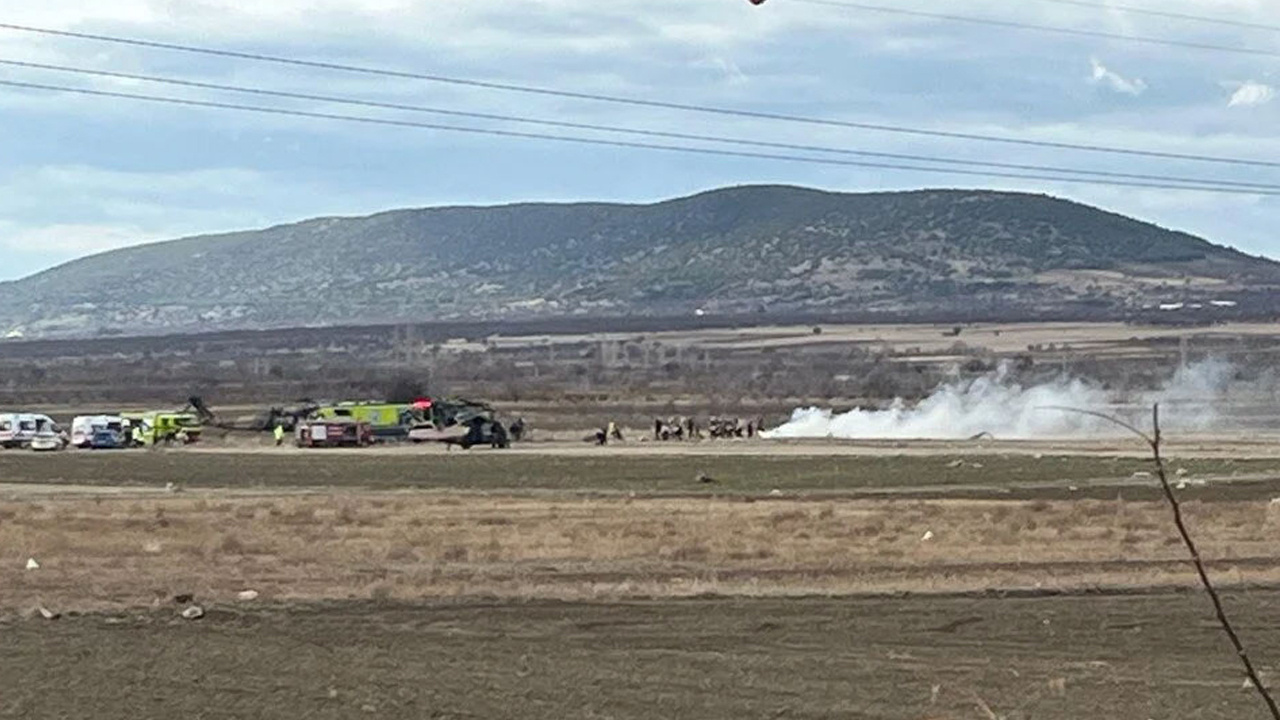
(1061,658)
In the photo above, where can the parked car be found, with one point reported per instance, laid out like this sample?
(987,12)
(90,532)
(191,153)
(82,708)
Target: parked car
(49,439)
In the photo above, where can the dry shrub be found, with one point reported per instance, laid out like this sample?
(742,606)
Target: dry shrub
(782,517)
(347,516)
(493,551)
(232,545)
(494,521)
(299,516)
(869,530)
(402,553)
(1093,509)
(691,552)
(455,553)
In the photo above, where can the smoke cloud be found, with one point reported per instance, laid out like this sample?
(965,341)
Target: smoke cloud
(998,405)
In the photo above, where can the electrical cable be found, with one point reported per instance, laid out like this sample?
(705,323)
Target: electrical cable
(628,144)
(639,102)
(624,130)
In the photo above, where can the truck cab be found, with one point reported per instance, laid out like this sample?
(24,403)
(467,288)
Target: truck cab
(165,427)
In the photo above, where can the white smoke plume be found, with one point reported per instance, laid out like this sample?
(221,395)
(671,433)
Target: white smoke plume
(998,405)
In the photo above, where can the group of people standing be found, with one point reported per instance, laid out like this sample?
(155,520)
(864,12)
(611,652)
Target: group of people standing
(687,428)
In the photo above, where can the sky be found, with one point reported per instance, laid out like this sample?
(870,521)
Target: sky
(81,175)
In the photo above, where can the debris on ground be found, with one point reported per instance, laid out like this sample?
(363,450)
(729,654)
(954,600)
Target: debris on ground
(928,535)
(247,595)
(705,478)
(194,612)
(48,614)
(32,564)
(955,625)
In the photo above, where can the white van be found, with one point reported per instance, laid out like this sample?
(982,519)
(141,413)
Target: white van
(84,427)
(18,429)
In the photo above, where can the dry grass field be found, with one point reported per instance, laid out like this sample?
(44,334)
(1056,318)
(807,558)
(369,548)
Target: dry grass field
(123,552)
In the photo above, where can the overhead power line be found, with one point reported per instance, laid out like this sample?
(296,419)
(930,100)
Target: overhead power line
(630,144)
(638,102)
(1019,25)
(1131,10)
(180,82)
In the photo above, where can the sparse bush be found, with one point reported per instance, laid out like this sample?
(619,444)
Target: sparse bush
(405,389)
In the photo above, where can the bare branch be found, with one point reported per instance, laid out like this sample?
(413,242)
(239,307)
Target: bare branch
(1109,418)
(1200,569)
(1154,440)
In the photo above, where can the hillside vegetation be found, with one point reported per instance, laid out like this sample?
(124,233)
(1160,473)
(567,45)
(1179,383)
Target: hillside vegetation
(757,249)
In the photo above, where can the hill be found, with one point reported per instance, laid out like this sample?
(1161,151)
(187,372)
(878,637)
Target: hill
(753,249)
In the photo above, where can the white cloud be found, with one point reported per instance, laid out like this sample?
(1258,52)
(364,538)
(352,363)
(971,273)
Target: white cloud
(1251,93)
(71,239)
(1117,82)
(727,68)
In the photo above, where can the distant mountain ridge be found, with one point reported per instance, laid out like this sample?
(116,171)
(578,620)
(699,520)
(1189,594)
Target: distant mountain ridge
(749,249)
